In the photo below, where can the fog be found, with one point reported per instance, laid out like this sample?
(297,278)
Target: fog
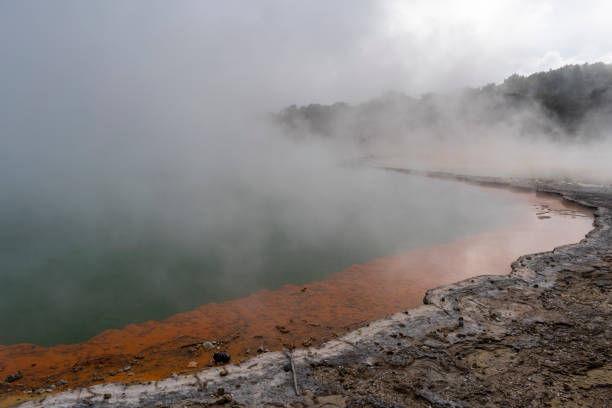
(560,130)
(115,94)
(127,122)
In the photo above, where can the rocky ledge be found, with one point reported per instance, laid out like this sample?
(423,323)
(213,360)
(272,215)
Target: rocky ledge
(540,336)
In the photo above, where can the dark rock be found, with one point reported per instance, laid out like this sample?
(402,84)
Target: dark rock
(225,399)
(402,389)
(14,377)
(221,357)
(603,283)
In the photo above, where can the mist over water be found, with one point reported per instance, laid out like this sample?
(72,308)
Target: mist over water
(141,174)
(67,277)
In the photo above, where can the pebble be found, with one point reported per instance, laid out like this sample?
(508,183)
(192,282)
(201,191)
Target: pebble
(221,357)
(224,399)
(14,377)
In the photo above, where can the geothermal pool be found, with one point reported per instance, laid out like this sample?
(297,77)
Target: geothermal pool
(67,276)
(313,275)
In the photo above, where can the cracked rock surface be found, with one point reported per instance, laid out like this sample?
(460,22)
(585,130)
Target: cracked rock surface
(540,336)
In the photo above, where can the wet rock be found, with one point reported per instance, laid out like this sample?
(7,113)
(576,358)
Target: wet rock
(221,357)
(14,377)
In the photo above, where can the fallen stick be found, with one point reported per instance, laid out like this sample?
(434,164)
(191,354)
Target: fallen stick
(295,383)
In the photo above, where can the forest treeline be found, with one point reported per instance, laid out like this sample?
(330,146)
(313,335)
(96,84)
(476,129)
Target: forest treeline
(570,103)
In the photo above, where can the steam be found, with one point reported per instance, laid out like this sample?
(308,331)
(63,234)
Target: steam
(115,95)
(125,124)
(491,130)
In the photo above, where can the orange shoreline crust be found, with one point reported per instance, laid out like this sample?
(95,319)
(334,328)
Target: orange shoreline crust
(291,316)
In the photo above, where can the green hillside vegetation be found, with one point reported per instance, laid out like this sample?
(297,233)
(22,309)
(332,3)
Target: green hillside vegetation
(569,103)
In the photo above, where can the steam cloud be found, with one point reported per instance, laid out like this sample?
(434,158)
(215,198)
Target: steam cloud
(154,110)
(114,95)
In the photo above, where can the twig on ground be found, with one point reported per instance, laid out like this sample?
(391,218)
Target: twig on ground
(295,382)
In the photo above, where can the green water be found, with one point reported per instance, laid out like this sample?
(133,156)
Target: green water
(67,275)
